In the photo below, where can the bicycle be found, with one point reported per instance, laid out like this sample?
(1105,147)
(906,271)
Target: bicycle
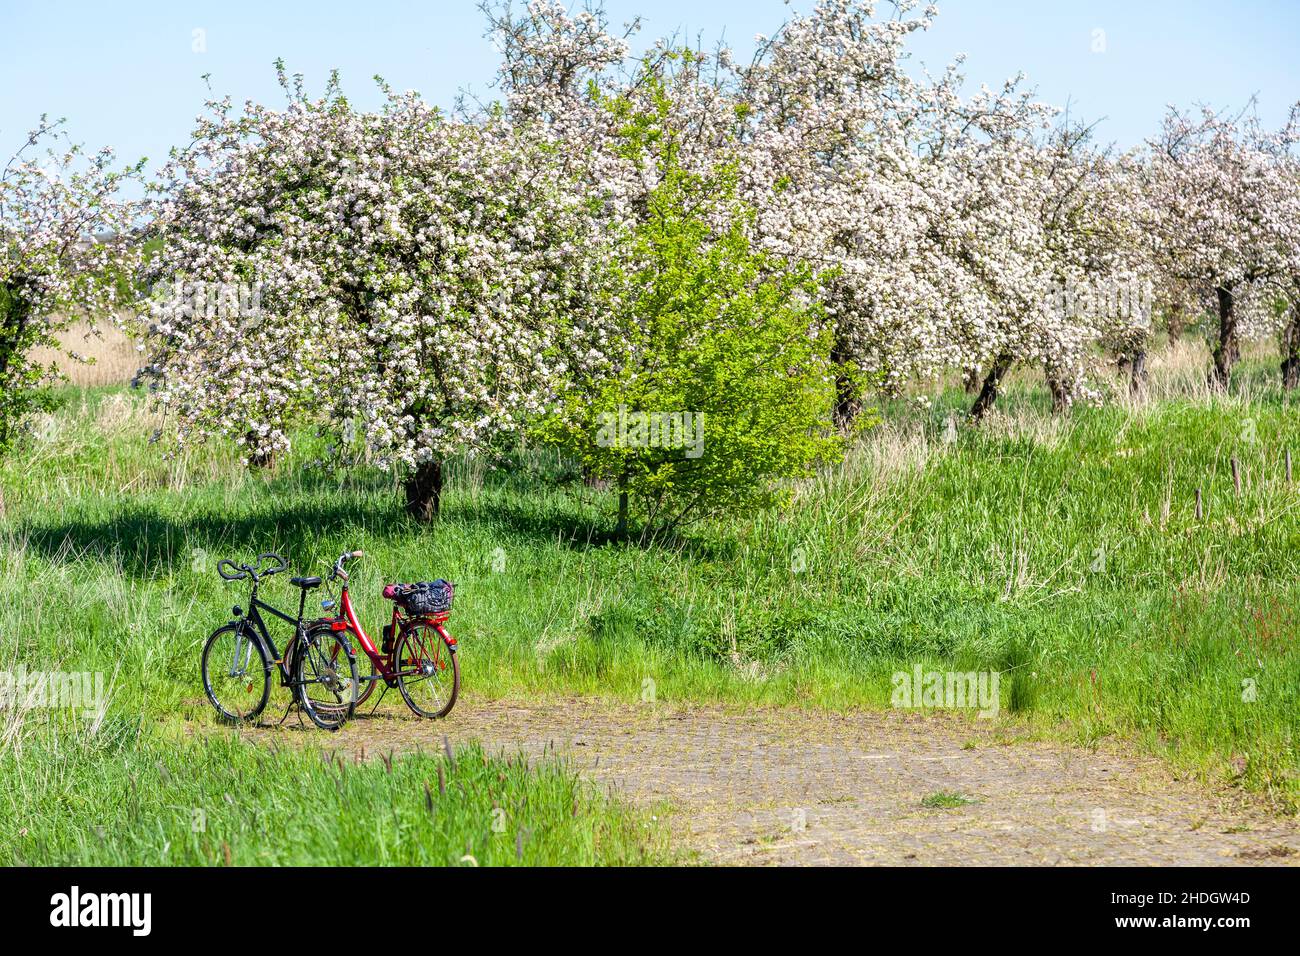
(318,665)
(418,656)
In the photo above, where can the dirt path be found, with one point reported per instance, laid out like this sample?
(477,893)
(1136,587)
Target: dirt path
(797,787)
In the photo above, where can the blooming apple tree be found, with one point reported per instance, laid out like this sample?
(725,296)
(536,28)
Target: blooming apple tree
(66,251)
(1288,169)
(1224,219)
(415,275)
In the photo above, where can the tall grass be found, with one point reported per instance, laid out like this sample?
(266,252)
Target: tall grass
(127,797)
(104,355)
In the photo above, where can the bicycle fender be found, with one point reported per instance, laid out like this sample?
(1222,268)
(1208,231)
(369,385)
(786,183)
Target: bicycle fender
(347,636)
(249,632)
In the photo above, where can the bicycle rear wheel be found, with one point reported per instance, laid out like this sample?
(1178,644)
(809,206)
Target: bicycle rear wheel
(236,675)
(325,677)
(367,673)
(428,671)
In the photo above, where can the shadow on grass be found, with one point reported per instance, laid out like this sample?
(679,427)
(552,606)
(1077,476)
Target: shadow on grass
(145,537)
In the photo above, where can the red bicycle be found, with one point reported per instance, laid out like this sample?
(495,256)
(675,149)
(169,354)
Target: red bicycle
(417,656)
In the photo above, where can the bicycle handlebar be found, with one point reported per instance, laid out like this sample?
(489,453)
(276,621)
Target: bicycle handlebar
(281,564)
(343,559)
(237,572)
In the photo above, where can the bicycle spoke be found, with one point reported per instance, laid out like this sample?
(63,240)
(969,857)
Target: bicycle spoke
(326,678)
(324,674)
(427,674)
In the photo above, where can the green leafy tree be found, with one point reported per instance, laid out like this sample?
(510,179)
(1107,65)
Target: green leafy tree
(722,386)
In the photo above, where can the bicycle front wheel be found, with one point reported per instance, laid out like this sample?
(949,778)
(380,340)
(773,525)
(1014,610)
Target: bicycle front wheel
(428,671)
(325,677)
(236,675)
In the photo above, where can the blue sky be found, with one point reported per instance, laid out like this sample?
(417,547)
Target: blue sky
(128,74)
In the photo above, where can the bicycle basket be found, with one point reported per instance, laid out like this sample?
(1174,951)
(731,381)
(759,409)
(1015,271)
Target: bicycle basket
(426,598)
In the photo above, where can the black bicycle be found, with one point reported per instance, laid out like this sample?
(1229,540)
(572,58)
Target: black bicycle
(318,665)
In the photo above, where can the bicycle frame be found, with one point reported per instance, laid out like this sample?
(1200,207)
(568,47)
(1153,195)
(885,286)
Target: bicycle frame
(384,663)
(252,621)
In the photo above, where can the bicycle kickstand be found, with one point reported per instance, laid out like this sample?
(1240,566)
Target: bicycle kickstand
(378,702)
(291,706)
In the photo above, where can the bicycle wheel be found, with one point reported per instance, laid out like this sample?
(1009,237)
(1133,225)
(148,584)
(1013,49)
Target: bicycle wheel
(428,671)
(367,673)
(325,677)
(236,675)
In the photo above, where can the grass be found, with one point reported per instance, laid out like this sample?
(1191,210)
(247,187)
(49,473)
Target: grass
(1064,553)
(943,800)
(128,797)
(107,355)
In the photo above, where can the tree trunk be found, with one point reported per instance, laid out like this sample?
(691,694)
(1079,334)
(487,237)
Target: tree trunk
(989,391)
(13,321)
(256,458)
(624,479)
(847,406)
(1176,324)
(1137,383)
(11,331)
(847,402)
(971,380)
(424,491)
(620,529)
(1060,394)
(1225,349)
(1291,351)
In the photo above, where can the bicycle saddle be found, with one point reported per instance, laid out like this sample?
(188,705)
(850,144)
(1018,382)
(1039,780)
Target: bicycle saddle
(305,583)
